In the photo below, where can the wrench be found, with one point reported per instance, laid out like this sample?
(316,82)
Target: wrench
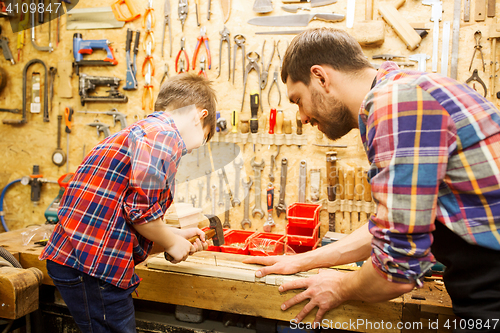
(214,193)
(221,188)
(302,181)
(271,169)
(270,201)
(237,172)
(246,204)
(193,200)
(257,168)
(208,173)
(200,188)
(226,213)
(187,189)
(281,208)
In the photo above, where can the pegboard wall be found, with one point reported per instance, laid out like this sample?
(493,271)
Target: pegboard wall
(34,142)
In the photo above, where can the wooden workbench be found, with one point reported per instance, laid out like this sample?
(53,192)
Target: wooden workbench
(427,305)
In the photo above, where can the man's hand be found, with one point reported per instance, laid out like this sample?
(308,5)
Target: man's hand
(276,265)
(323,290)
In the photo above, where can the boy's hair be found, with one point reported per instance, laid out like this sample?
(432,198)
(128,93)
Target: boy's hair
(322,46)
(187,89)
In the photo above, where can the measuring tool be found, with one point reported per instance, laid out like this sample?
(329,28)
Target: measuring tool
(58,156)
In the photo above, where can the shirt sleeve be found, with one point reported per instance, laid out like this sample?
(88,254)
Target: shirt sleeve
(407,146)
(154,159)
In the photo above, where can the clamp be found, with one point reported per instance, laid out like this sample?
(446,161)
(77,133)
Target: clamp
(183,42)
(478,46)
(252,65)
(202,38)
(475,77)
(265,69)
(275,81)
(239,41)
(225,38)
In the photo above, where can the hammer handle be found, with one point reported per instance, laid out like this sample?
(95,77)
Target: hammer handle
(208,235)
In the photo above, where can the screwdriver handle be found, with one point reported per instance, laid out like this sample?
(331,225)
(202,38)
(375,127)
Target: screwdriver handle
(234,122)
(279,122)
(68,118)
(254,109)
(287,126)
(299,123)
(129,40)
(272,121)
(270,197)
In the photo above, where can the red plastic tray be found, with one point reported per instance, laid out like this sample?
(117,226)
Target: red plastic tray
(303,224)
(236,241)
(213,247)
(275,246)
(303,248)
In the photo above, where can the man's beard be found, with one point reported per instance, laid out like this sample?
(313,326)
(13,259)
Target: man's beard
(332,115)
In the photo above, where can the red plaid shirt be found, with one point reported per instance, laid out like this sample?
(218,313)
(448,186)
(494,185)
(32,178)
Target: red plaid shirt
(127,179)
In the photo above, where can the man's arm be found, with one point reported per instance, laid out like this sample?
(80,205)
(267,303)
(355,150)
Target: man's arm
(330,288)
(354,247)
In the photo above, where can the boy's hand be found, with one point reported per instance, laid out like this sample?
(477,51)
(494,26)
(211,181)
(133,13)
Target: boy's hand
(180,249)
(200,244)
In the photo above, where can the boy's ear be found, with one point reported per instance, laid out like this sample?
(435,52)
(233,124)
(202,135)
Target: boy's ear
(203,113)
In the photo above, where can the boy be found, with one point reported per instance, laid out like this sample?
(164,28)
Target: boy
(111,212)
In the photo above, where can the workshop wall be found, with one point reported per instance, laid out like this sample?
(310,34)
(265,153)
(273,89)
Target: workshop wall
(34,142)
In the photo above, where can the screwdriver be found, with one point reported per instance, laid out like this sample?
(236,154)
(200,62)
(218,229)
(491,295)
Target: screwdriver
(299,125)
(68,118)
(272,121)
(234,122)
(254,109)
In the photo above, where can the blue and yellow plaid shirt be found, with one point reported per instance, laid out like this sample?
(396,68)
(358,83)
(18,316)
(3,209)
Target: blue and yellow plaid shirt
(434,148)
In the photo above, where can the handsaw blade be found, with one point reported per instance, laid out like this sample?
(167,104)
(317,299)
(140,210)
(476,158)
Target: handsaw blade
(297,20)
(226,9)
(314,3)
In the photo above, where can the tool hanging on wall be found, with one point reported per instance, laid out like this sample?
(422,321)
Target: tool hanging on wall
(281,207)
(455,39)
(224,33)
(149,14)
(183,12)
(202,67)
(4,44)
(269,224)
(23,25)
(131,80)
(262,6)
(315,185)
(101,128)
(252,65)
(302,181)
(403,29)
(52,77)
(92,18)
(332,178)
(493,35)
(68,119)
(166,24)
(117,116)
(202,39)
(209,9)
(198,11)
(33,38)
(181,51)
(35,104)
(246,203)
(239,41)
(265,68)
(475,77)
(131,14)
(226,9)
(477,46)
(24,119)
(81,47)
(58,156)
(257,168)
(148,91)
(421,59)
(436,16)
(165,73)
(295,20)
(275,82)
(88,84)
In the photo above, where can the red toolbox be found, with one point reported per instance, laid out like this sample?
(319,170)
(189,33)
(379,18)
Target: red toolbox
(236,241)
(266,244)
(212,247)
(303,224)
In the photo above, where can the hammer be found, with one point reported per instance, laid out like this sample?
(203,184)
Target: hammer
(215,233)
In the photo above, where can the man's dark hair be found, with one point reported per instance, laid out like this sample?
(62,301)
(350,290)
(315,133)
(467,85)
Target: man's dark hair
(322,46)
(187,89)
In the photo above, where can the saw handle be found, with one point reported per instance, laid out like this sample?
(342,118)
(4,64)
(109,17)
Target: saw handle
(210,233)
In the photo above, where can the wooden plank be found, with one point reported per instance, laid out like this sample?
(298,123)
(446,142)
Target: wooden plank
(480,10)
(391,15)
(491,8)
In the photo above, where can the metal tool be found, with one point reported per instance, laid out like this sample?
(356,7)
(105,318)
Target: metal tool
(315,184)
(215,233)
(281,207)
(120,15)
(87,46)
(183,12)
(68,119)
(262,6)
(297,20)
(165,73)
(279,32)
(33,38)
(456,39)
(227,208)
(182,51)
(226,9)
(4,44)
(101,128)
(187,189)
(436,16)
(466,10)
(202,71)
(302,181)
(166,23)
(239,41)
(252,65)
(386,56)
(293,8)
(477,46)
(265,68)
(193,200)
(208,174)
(88,84)
(214,193)
(202,39)
(117,116)
(131,81)
(221,187)
(209,10)
(446,48)
(148,86)
(275,82)
(197,11)
(257,168)
(58,156)
(271,168)
(246,203)
(421,59)
(270,202)
(332,178)
(314,3)
(200,192)
(224,33)
(237,171)
(475,77)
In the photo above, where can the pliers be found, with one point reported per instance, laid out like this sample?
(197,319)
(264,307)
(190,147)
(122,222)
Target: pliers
(239,41)
(149,13)
(165,74)
(275,81)
(252,64)
(183,11)
(149,37)
(202,38)
(202,67)
(183,42)
(166,23)
(225,38)
(148,90)
(148,60)
(265,69)
(478,46)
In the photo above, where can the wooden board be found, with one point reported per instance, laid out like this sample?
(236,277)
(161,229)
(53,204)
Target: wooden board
(403,29)
(480,10)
